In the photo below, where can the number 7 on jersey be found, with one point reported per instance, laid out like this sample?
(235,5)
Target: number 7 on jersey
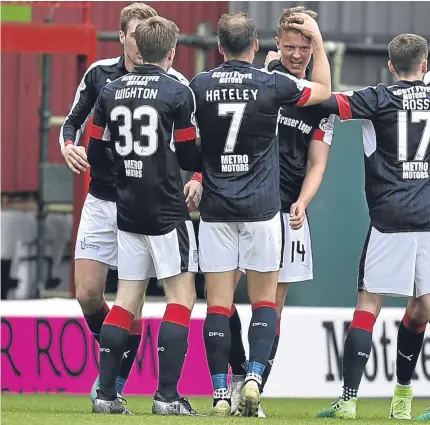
(238,110)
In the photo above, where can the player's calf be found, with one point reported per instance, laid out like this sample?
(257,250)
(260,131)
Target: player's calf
(357,347)
(410,339)
(217,336)
(114,335)
(173,345)
(90,280)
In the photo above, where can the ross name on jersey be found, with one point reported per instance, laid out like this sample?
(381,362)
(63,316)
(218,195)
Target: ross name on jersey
(133,168)
(136,92)
(232,77)
(234,163)
(218,95)
(291,122)
(415,170)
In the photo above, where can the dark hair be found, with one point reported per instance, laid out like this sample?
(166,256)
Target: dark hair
(155,37)
(236,32)
(406,52)
(138,11)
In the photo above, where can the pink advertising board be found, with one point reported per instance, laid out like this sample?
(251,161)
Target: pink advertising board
(59,354)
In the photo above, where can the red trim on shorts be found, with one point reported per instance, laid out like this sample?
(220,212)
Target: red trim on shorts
(119,317)
(185,134)
(318,134)
(263,304)
(136,327)
(345,111)
(278,326)
(363,320)
(411,325)
(305,96)
(219,310)
(233,310)
(177,313)
(198,177)
(96,132)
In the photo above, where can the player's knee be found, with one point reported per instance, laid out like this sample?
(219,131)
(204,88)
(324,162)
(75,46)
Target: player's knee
(418,310)
(89,293)
(181,290)
(90,298)
(369,302)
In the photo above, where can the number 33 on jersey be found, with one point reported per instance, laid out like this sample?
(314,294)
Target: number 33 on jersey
(146,121)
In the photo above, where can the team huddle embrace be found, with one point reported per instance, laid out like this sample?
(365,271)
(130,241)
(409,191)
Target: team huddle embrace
(258,141)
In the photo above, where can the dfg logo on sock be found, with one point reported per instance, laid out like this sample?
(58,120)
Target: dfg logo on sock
(220,334)
(260,324)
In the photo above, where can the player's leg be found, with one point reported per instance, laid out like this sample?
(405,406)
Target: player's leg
(260,254)
(410,339)
(96,250)
(135,267)
(281,295)
(387,267)
(238,361)
(177,270)
(411,331)
(297,266)
(219,256)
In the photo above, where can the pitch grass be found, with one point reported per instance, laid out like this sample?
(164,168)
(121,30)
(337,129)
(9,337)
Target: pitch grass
(59,409)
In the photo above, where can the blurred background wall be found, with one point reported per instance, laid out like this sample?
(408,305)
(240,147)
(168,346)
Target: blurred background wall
(356,35)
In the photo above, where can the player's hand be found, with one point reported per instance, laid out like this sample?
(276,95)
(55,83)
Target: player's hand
(76,158)
(297,215)
(272,56)
(305,24)
(193,193)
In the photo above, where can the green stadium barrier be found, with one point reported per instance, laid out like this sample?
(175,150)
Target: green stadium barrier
(339,223)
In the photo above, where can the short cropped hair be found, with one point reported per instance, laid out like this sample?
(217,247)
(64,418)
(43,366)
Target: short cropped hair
(286,15)
(138,11)
(406,52)
(236,32)
(155,37)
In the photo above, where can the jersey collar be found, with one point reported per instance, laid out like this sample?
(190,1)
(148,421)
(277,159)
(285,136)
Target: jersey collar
(148,69)
(410,83)
(121,63)
(236,62)
(308,71)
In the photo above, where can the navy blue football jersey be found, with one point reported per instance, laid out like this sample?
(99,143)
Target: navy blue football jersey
(297,127)
(396,139)
(145,119)
(237,116)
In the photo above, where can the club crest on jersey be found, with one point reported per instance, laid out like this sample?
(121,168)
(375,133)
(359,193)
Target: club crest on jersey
(325,125)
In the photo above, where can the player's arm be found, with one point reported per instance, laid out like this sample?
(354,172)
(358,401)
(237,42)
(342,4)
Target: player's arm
(189,156)
(75,121)
(319,89)
(352,105)
(99,134)
(317,161)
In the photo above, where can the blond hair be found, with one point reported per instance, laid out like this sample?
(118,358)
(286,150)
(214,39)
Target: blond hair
(155,37)
(285,17)
(138,11)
